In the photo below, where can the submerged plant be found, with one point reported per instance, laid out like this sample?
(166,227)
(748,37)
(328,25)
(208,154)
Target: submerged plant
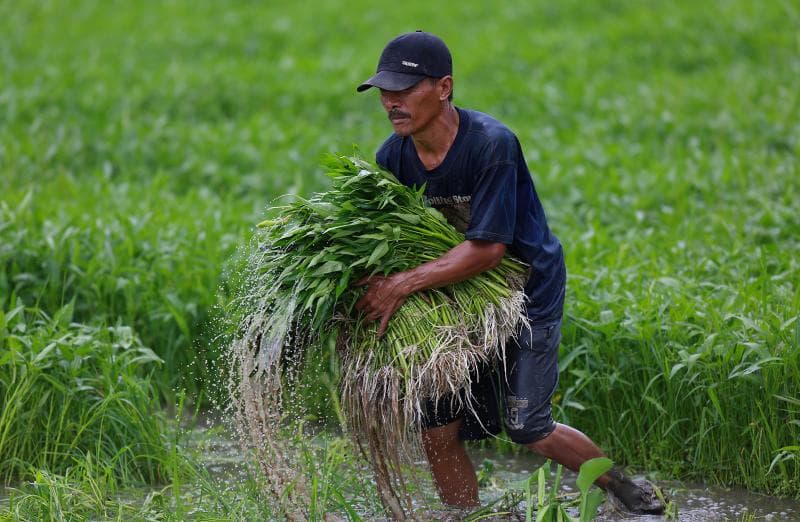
(301,294)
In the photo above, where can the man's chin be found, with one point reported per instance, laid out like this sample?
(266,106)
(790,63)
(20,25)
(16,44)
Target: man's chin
(401,126)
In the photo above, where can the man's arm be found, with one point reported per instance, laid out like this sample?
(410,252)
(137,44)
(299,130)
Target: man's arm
(387,293)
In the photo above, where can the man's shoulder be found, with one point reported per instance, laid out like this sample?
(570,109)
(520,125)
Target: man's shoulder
(490,139)
(488,127)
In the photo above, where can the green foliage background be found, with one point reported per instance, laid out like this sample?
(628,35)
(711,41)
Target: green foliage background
(139,142)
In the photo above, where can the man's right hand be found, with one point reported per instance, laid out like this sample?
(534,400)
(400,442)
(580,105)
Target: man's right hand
(385,295)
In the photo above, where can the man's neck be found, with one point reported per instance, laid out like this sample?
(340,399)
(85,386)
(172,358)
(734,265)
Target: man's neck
(434,142)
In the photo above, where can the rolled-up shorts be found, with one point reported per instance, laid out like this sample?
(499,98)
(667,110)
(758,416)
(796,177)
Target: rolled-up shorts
(517,395)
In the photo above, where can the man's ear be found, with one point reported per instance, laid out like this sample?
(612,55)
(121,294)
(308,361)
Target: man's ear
(445,87)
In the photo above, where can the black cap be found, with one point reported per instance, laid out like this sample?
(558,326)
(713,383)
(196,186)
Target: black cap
(408,59)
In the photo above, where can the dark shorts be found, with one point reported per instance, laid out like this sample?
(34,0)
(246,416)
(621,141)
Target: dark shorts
(517,397)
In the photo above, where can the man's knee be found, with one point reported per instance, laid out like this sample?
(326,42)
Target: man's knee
(532,432)
(539,442)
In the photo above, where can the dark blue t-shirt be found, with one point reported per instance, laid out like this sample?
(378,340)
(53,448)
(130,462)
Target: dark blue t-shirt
(484,189)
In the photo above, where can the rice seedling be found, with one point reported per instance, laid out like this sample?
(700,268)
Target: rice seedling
(302,291)
(71,392)
(81,492)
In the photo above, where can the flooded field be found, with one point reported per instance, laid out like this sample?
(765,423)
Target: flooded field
(691,501)
(228,480)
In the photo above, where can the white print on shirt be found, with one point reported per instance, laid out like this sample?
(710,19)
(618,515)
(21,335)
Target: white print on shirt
(447,200)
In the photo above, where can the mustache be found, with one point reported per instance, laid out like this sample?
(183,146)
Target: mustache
(397,113)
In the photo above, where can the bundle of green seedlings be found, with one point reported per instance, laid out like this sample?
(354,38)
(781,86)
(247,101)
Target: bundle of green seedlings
(301,291)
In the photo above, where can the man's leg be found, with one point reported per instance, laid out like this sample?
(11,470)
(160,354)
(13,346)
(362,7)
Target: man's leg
(532,379)
(452,469)
(570,448)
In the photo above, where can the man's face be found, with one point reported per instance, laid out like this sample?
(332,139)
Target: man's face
(412,109)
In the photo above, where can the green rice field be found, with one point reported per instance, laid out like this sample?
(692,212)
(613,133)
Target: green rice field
(140,143)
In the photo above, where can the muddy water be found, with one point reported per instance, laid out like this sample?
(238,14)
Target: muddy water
(693,502)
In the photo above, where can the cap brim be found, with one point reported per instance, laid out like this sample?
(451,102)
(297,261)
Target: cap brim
(391,81)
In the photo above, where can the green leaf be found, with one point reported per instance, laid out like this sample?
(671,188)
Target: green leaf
(354,179)
(408,218)
(267,223)
(351,513)
(542,475)
(176,309)
(379,237)
(790,400)
(712,394)
(378,253)
(589,505)
(146,355)
(591,470)
(44,353)
(344,282)
(322,208)
(316,259)
(435,213)
(675,369)
(545,514)
(328,267)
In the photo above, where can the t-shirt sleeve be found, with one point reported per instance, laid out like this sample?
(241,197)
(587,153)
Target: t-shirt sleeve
(493,205)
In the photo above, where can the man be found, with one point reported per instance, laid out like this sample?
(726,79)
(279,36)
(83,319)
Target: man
(474,171)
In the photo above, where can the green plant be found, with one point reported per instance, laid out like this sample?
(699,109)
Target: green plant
(70,390)
(544,500)
(591,499)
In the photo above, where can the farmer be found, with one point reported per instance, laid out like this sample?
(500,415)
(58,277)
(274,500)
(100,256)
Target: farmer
(474,172)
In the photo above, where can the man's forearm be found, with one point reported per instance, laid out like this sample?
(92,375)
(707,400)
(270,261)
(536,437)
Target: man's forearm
(387,293)
(465,260)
